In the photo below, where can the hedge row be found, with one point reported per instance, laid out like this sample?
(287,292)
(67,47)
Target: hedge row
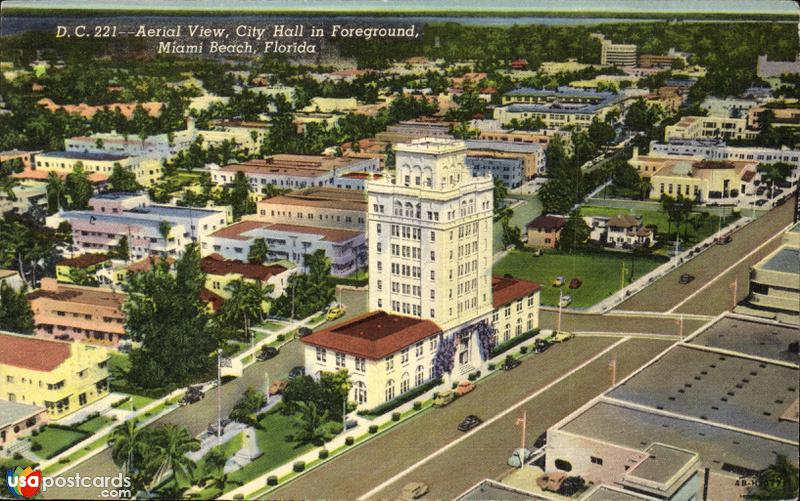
(503,347)
(405,397)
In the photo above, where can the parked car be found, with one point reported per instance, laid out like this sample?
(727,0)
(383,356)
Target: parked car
(335,312)
(193,394)
(276,388)
(724,239)
(444,398)
(519,456)
(575,283)
(303,331)
(565,300)
(297,372)
(686,278)
(413,490)
(212,428)
(558,281)
(469,423)
(267,352)
(510,363)
(560,336)
(463,388)
(540,345)
(761,202)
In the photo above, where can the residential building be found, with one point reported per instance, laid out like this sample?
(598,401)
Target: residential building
(774,69)
(544,231)
(61,377)
(346,249)
(557,108)
(316,207)
(68,312)
(292,171)
(692,127)
(783,115)
(528,160)
(146,169)
(431,293)
(722,404)
(19,420)
(775,282)
(220,272)
(112,216)
(91,264)
(29,197)
(26,157)
(88,111)
(623,230)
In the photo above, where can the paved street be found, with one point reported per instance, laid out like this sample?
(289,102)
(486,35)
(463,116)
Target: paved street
(195,417)
(485,453)
(617,322)
(666,293)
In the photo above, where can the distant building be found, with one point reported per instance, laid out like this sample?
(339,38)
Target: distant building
(782,115)
(623,231)
(545,231)
(715,149)
(67,312)
(541,137)
(316,207)
(409,130)
(728,107)
(616,54)
(700,420)
(153,109)
(146,169)
(513,163)
(693,127)
(28,198)
(19,420)
(773,69)
(61,377)
(90,263)
(26,157)
(559,108)
(112,216)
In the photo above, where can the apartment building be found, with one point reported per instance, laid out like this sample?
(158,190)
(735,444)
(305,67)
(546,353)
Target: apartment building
(544,231)
(90,264)
(693,127)
(346,249)
(61,377)
(146,169)
(220,272)
(541,137)
(616,54)
(112,216)
(316,207)
(68,312)
(18,420)
(529,160)
(716,149)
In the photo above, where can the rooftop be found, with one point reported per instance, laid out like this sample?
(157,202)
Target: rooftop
(84,260)
(547,222)
(290,165)
(605,493)
(786,260)
(146,263)
(217,265)
(82,155)
(756,338)
(508,289)
(326,198)
(490,489)
(504,146)
(373,335)
(245,230)
(70,294)
(14,412)
(662,464)
(39,354)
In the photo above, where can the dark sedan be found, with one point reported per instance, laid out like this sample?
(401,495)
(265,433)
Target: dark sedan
(469,423)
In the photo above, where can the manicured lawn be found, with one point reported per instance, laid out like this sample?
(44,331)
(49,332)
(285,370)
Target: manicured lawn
(523,214)
(659,219)
(273,441)
(600,273)
(272,325)
(95,424)
(55,440)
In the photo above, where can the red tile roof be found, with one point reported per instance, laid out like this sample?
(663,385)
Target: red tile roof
(84,260)
(218,265)
(508,289)
(212,298)
(548,222)
(373,335)
(30,353)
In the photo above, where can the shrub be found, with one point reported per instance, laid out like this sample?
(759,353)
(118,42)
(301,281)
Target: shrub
(36,446)
(238,496)
(35,432)
(373,428)
(455,385)
(395,416)
(63,460)
(349,441)
(17,456)
(492,367)
(272,480)
(478,374)
(280,337)
(514,341)
(318,441)
(323,453)
(417,405)
(472,376)
(299,466)
(523,350)
(405,397)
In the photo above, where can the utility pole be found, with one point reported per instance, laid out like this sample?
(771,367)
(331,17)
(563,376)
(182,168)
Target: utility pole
(558,321)
(266,385)
(622,281)
(219,395)
(524,422)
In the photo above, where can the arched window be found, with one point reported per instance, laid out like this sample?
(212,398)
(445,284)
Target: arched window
(420,377)
(389,389)
(398,209)
(519,326)
(409,209)
(360,392)
(530,321)
(418,212)
(405,383)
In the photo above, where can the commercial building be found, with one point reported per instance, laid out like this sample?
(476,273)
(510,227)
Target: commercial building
(112,216)
(70,312)
(431,294)
(662,61)
(90,264)
(775,282)
(220,272)
(61,377)
(541,137)
(544,231)
(513,163)
(715,149)
(714,410)
(292,171)
(316,207)
(783,115)
(559,108)
(18,420)
(146,169)
(616,54)
(693,127)
(346,249)
(415,129)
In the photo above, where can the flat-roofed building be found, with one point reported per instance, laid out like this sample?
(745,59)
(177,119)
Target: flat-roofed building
(146,169)
(70,312)
(324,207)
(617,54)
(541,137)
(29,197)
(59,376)
(25,157)
(715,149)
(346,249)
(782,116)
(292,171)
(529,160)
(410,130)
(720,401)
(694,127)
(773,69)
(557,108)
(18,420)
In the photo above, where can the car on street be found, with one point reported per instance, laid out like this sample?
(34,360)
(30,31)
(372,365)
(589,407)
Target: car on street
(565,300)
(558,281)
(469,423)
(335,311)
(560,336)
(193,394)
(463,388)
(267,352)
(276,388)
(686,278)
(540,345)
(297,372)
(575,283)
(724,239)
(304,331)
(444,398)
(212,428)
(519,457)
(761,202)
(413,490)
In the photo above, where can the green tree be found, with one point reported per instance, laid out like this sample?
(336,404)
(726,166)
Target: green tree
(574,233)
(238,196)
(777,481)
(511,234)
(127,446)
(55,193)
(311,420)
(258,251)
(774,172)
(499,193)
(245,306)
(601,133)
(172,443)
(123,180)
(78,188)
(82,276)
(15,310)
(121,250)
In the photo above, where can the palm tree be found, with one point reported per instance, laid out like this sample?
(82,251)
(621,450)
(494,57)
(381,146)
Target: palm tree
(172,442)
(165,228)
(311,420)
(7,184)
(55,192)
(127,443)
(214,466)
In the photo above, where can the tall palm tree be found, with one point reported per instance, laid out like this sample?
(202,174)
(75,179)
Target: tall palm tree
(127,443)
(55,192)
(7,184)
(172,442)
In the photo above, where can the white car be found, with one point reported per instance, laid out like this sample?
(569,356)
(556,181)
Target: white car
(565,300)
